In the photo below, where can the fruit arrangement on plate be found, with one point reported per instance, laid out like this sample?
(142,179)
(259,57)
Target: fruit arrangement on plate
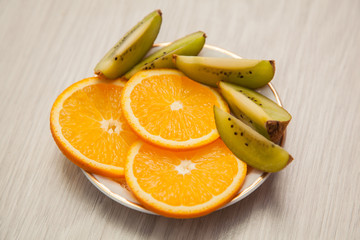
(178,128)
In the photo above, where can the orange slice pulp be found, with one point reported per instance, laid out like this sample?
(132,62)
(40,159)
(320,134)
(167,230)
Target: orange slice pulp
(170,110)
(87,124)
(184,184)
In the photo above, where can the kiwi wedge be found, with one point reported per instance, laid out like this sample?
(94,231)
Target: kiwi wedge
(188,45)
(256,110)
(130,49)
(210,70)
(248,145)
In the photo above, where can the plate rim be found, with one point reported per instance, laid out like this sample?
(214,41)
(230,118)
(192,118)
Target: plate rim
(239,196)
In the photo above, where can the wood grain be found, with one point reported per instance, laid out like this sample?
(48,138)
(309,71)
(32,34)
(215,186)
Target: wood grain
(47,45)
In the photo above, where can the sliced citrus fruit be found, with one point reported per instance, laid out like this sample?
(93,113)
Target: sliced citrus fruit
(168,109)
(87,124)
(183,184)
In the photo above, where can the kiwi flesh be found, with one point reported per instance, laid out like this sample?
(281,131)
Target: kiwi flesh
(256,110)
(210,70)
(130,49)
(248,145)
(162,58)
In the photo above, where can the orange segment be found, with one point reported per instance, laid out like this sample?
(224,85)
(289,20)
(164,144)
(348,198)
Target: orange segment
(88,126)
(168,109)
(184,184)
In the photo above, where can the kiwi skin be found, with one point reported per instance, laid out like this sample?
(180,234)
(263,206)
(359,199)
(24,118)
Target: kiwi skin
(276,129)
(248,145)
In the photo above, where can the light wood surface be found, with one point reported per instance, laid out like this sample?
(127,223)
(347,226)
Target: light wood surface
(47,45)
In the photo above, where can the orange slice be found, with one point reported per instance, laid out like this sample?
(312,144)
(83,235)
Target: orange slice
(184,184)
(87,124)
(168,109)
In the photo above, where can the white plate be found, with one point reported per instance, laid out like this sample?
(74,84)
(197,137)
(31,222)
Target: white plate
(118,190)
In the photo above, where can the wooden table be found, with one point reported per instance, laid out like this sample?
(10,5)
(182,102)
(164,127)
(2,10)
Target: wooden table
(47,45)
